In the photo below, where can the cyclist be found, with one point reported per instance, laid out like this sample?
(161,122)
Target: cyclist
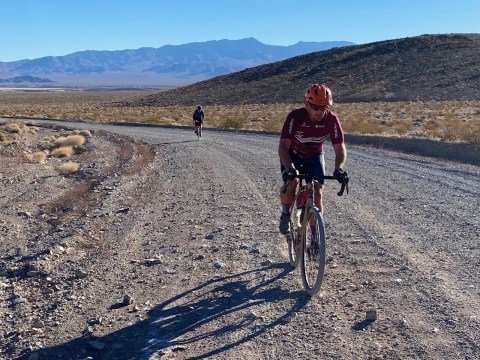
(301,145)
(198,117)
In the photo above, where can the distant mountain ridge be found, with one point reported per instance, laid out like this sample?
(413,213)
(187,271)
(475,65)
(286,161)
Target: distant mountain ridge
(199,59)
(427,67)
(25,79)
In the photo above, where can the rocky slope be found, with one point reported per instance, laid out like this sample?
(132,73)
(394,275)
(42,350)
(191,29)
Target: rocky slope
(421,68)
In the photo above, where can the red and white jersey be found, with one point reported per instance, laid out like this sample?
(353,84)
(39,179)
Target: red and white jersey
(307,136)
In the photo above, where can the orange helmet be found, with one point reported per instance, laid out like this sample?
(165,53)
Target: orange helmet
(319,95)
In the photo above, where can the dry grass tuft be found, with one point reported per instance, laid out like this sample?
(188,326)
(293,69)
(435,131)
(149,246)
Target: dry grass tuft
(38,157)
(69,167)
(69,140)
(45,145)
(359,122)
(5,138)
(13,128)
(64,151)
(232,122)
(429,119)
(273,125)
(85,133)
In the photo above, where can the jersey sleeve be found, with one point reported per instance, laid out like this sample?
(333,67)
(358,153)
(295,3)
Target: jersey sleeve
(337,135)
(287,130)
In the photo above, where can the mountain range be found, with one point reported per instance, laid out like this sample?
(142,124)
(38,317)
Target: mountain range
(24,79)
(183,64)
(421,68)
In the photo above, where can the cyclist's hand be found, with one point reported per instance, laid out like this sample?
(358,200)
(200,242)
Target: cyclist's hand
(340,175)
(289,174)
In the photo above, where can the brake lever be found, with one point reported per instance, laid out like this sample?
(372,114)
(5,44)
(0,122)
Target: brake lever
(344,186)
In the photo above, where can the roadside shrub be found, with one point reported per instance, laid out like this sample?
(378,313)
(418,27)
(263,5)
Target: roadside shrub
(69,140)
(46,145)
(232,122)
(85,133)
(64,151)
(13,128)
(273,125)
(432,128)
(473,137)
(79,149)
(361,124)
(5,138)
(404,127)
(69,167)
(38,157)
(453,130)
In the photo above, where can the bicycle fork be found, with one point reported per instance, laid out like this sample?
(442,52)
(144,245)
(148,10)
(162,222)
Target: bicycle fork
(307,222)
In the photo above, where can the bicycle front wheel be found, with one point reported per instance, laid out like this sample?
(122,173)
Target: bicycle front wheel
(313,251)
(293,237)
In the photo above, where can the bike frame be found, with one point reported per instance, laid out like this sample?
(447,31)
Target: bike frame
(199,131)
(303,218)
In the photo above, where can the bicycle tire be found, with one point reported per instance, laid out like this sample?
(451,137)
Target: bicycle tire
(294,245)
(313,253)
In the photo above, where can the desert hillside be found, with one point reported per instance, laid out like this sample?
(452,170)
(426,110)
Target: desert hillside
(427,67)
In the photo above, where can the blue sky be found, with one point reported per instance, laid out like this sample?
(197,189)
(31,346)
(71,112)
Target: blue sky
(36,28)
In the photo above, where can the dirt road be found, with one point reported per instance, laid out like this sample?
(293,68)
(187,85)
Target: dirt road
(189,230)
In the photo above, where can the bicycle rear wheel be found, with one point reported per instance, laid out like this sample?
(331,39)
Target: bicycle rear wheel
(313,252)
(293,236)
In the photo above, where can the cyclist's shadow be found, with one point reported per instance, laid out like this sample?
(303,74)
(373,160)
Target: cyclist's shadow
(228,298)
(191,316)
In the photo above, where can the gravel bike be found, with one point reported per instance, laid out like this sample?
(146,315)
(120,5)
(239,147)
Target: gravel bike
(198,131)
(306,239)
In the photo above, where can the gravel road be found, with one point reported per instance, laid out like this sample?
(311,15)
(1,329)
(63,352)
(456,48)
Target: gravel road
(192,237)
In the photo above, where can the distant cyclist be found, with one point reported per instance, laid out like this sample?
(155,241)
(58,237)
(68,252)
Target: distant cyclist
(301,144)
(198,117)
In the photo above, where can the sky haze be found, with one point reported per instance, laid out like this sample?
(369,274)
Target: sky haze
(34,28)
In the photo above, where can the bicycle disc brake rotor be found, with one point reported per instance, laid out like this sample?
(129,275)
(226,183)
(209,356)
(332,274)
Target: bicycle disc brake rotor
(313,248)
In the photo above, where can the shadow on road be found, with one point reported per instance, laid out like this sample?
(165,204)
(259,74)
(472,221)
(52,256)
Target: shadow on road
(177,142)
(211,310)
(362,325)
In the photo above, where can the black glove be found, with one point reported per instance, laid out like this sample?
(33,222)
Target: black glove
(340,175)
(289,174)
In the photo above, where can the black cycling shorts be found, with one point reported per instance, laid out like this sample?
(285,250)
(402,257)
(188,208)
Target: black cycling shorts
(312,165)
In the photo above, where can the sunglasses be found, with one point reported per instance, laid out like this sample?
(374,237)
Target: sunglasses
(317,107)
